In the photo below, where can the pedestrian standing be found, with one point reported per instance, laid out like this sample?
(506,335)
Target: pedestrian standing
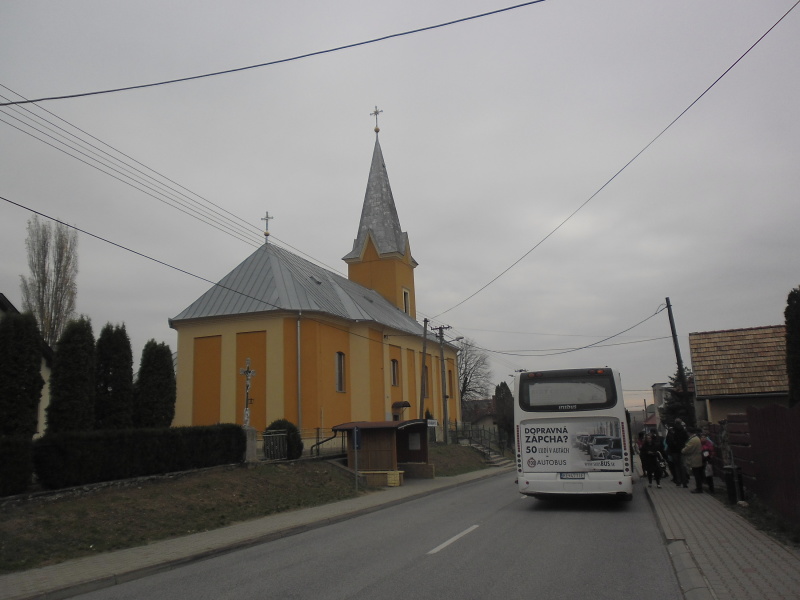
(676,441)
(650,454)
(708,454)
(693,454)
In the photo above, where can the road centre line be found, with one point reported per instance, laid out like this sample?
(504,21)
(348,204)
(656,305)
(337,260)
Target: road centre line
(453,539)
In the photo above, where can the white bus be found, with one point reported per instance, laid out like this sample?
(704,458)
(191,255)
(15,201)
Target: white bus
(572,433)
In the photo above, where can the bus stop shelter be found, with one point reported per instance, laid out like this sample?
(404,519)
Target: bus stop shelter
(388,451)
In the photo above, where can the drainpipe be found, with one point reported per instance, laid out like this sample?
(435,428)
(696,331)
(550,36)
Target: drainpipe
(299,378)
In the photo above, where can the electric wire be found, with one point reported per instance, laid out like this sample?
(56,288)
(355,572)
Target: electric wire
(283,60)
(185,272)
(123,180)
(625,166)
(123,154)
(105,162)
(241,230)
(275,306)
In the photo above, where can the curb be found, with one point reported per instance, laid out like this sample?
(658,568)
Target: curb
(694,585)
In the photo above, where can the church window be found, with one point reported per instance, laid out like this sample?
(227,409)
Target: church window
(395,373)
(406,302)
(340,364)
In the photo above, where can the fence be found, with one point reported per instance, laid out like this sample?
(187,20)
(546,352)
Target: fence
(316,442)
(323,442)
(764,444)
(493,439)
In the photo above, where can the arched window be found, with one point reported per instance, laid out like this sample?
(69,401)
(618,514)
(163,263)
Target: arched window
(340,365)
(395,372)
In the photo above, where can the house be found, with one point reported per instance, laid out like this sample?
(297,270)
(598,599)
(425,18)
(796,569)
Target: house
(737,368)
(6,307)
(480,414)
(320,349)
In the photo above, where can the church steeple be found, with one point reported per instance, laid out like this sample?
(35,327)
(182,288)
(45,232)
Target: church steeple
(381,256)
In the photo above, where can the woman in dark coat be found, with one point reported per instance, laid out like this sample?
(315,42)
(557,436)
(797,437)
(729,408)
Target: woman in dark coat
(650,455)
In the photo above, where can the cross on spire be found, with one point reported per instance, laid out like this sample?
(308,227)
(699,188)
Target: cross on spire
(266,220)
(375,114)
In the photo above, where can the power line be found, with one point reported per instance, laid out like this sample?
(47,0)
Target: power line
(208,216)
(101,160)
(282,60)
(184,271)
(625,166)
(126,156)
(597,344)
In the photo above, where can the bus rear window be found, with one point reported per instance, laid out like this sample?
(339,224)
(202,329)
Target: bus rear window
(566,393)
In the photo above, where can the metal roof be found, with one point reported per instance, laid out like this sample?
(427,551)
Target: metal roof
(379,218)
(273,279)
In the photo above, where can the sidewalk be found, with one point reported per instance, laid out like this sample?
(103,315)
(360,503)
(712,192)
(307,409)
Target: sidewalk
(716,553)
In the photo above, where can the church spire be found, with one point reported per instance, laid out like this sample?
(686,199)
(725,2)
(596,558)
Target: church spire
(381,257)
(379,218)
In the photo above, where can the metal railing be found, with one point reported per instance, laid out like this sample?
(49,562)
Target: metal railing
(275,445)
(496,440)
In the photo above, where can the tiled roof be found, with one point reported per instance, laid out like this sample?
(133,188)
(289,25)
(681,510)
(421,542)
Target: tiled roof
(739,361)
(274,279)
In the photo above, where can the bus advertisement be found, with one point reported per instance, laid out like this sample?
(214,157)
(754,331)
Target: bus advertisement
(572,433)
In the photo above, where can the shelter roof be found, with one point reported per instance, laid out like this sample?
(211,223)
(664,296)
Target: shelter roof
(739,361)
(272,279)
(379,424)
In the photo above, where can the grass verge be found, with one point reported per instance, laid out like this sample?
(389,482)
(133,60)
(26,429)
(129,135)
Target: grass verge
(76,523)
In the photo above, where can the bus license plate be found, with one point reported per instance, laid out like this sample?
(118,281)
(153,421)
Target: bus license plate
(573,475)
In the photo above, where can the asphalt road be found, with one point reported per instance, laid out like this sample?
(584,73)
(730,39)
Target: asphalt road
(480,540)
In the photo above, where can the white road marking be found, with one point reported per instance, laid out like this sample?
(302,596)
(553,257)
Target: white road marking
(453,539)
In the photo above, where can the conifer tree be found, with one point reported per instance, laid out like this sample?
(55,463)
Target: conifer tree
(113,401)
(792,316)
(155,391)
(679,403)
(72,380)
(20,374)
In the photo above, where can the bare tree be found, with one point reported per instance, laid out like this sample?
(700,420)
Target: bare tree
(474,372)
(50,290)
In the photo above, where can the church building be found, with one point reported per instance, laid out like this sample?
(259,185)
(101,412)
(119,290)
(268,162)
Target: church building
(303,343)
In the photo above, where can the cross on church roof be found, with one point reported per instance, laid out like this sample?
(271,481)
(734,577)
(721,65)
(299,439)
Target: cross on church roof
(375,114)
(266,220)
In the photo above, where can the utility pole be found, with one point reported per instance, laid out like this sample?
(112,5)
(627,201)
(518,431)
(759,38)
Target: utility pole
(422,376)
(445,417)
(681,373)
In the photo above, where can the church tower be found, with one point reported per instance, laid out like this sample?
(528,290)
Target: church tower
(381,256)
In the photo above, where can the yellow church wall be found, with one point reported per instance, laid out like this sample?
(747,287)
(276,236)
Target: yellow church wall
(212,352)
(411,385)
(287,400)
(334,407)
(379,402)
(206,380)
(210,355)
(360,363)
(396,392)
(389,276)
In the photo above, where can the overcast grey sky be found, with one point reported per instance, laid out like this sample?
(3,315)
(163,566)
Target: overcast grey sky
(494,132)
